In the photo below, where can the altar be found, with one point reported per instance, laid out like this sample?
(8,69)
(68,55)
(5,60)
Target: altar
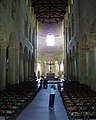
(50,75)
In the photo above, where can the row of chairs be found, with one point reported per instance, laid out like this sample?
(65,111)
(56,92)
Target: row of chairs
(79,101)
(15,98)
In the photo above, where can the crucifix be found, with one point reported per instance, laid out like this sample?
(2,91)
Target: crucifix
(50,66)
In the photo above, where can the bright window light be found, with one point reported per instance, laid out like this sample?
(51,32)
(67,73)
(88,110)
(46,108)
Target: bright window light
(49,67)
(38,67)
(72,2)
(61,67)
(50,40)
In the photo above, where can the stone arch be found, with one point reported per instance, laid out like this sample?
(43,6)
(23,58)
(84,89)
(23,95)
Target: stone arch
(12,60)
(92,35)
(92,54)
(21,77)
(11,44)
(12,39)
(73,50)
(84,55)
(84,42)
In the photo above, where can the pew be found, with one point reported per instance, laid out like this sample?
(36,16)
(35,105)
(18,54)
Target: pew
(79,101)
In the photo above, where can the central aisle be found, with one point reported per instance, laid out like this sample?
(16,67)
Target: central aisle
(38,108)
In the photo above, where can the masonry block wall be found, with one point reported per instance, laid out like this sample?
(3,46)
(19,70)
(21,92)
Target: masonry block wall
(17,46)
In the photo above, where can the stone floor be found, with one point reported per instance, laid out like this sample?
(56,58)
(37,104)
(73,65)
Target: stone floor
(38,108)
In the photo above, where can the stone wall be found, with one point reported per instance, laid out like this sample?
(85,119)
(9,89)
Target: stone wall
(84,36)
(87,42)
(15,17)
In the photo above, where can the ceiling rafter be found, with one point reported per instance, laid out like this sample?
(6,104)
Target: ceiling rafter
(52,6)
(40,9)
(47,4)
(47,15)
(50,18)
(61,13)
(41,14)
(50,10)
(59,8)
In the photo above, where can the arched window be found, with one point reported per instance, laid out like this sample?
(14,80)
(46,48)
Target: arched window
(50,40)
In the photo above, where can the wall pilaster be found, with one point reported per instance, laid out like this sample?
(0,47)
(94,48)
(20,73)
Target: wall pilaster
(3,68)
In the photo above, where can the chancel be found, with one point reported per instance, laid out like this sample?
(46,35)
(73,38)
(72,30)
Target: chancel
(50,66)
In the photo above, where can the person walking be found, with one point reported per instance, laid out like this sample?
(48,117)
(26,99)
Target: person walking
(41,81)
(52,96)
(45,83)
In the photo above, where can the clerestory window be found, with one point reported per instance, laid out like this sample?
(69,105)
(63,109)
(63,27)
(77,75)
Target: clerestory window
(50,40)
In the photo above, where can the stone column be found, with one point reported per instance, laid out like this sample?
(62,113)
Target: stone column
(32,67)
(29,68)
(3,68)
(77,68)
(43,68)
(73,68)
(46,68)
(83,66)
(16,65)
(21,67)
(59,73)
(11,79)
(56,69)
(26,68)
(92,70)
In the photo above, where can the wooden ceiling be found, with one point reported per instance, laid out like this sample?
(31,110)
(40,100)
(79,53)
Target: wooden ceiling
(49,11)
